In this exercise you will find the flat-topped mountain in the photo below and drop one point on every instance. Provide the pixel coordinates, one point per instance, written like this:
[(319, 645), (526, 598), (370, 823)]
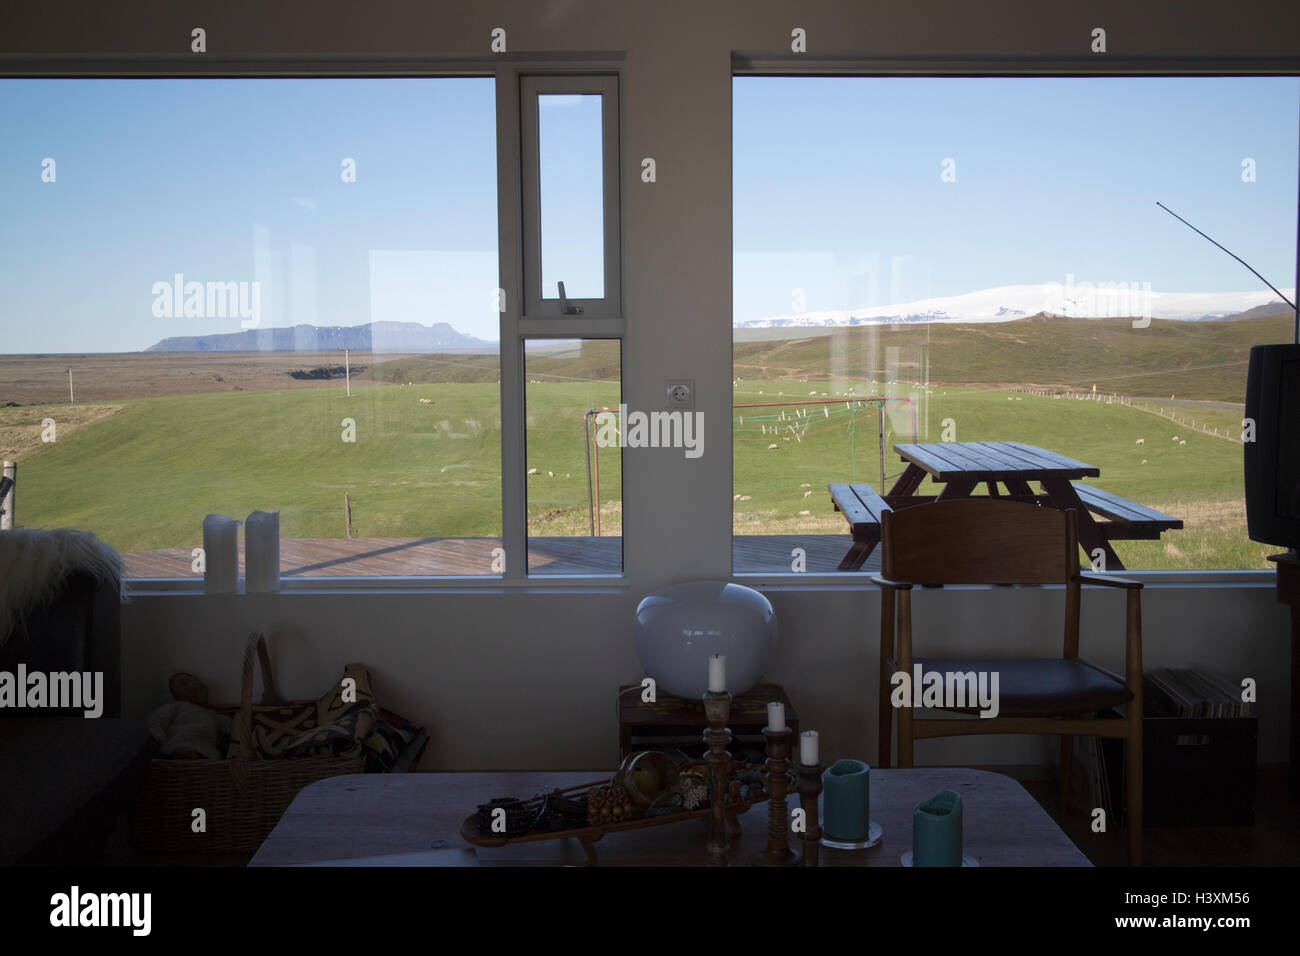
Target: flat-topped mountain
[(371, 337)]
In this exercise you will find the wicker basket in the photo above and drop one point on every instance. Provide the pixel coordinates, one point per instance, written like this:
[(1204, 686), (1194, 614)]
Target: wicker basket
[(243, 797)]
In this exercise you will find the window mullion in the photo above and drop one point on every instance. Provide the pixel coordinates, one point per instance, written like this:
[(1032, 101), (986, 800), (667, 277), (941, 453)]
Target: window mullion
[(514, 531)]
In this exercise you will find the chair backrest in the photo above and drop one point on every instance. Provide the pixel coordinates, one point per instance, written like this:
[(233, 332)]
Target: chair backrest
[(980, 541)]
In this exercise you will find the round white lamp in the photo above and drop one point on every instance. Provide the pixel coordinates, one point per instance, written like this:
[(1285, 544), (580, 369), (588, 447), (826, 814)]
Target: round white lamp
[(678, 629)]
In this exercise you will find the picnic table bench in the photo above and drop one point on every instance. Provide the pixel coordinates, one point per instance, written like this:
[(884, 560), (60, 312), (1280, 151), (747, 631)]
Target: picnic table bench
[(963, 466)]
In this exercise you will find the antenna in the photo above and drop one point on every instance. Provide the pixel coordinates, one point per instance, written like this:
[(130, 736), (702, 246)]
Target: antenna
[(1243, 262)]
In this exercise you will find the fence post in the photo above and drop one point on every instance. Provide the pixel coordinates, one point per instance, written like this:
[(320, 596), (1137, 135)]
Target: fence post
[(880, 409), (7, 519), (347, 513)]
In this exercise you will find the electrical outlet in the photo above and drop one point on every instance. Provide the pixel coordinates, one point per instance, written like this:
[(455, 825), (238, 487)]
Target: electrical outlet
[(680, 393)]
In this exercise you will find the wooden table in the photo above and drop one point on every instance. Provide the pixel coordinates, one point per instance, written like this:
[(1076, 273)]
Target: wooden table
[(414, 819), (963, 466), (672, 720)]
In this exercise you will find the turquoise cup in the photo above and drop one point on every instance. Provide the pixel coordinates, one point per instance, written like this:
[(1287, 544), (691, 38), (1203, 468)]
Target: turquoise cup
[(936, 831), (846, 794)]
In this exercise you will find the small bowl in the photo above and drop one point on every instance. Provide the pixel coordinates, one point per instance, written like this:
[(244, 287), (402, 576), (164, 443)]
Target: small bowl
[(645, 775)]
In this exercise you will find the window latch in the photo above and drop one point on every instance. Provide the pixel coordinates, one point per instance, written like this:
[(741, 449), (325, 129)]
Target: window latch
[(565, 308)]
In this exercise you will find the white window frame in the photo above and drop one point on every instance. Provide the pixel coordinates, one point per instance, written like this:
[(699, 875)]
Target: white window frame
[(521, 267), (544, 303)]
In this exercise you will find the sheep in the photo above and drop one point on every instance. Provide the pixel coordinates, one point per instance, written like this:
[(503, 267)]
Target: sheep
[(1141, 441), (743, 498), (1144, 461), (772, 447), (1183, 442), (426, 401), (805, 485), (550, 474), (532, 471), (804, 514), (807, 494)]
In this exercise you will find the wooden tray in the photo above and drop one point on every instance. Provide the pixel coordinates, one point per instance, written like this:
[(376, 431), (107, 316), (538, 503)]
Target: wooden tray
[(588, 835)]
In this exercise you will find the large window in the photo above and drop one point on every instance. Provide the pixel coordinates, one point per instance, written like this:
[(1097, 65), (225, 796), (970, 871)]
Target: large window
[(983, 259), (299, 306)]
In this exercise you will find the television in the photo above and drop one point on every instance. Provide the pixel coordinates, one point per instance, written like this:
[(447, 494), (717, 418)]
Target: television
[(1273, 459)]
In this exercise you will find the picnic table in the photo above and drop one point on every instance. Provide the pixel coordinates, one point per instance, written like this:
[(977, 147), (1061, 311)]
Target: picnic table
[(1005, 469)]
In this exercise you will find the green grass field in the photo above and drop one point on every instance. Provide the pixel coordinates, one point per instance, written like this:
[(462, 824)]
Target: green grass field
[(1200, 481), (142, 472), (145, 477)]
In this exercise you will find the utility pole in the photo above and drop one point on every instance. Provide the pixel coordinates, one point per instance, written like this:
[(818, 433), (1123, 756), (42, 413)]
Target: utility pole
[(72, 399), (347, 371)]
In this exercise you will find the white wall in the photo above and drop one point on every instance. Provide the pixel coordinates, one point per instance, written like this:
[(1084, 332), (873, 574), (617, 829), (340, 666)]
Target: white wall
[(525, 679)]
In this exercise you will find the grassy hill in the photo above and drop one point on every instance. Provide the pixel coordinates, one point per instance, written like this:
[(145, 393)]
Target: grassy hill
[(1195, 360), (1202, 360), (591, 360)]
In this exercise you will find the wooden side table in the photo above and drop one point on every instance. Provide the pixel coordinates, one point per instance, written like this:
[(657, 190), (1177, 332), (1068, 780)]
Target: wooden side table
[(672, 720), (1288, 592)]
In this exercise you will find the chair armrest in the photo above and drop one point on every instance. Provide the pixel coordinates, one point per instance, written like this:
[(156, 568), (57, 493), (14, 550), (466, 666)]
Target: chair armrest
[(884, 582), (1109, 581)]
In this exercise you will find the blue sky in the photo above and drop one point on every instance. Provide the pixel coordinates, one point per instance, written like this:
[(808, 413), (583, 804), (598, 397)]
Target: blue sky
[(837, 191), (838, 187), (208, 178)]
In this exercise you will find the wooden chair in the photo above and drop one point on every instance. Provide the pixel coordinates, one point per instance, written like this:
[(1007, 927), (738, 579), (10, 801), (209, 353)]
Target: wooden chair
[(988, 541)]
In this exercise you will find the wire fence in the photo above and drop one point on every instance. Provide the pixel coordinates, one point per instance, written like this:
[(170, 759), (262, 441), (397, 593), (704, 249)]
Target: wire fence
[(1141, 404)]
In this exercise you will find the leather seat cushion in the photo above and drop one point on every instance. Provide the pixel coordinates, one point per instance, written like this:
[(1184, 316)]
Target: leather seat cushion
[(1040, 687)]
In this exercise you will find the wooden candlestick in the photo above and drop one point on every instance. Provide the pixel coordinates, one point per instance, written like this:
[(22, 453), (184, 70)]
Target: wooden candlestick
[(777, 765), (809, 783), (717, 709)]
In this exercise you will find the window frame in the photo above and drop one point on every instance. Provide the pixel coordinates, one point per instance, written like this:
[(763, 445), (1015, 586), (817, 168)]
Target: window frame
[(518, 325), (536, 302)]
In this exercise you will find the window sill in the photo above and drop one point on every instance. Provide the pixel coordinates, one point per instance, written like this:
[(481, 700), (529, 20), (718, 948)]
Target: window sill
[(1153, 580), (547, 584)]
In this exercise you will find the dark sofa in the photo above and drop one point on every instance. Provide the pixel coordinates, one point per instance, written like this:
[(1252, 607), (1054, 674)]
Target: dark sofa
[(65, 779)]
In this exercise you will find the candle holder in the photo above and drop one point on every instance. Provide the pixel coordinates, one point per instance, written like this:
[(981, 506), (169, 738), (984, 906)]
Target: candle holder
[(717, 710), (808, 781), (777, 765)]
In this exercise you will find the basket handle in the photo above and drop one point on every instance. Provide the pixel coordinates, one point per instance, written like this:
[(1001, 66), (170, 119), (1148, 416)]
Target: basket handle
[(243, 724)]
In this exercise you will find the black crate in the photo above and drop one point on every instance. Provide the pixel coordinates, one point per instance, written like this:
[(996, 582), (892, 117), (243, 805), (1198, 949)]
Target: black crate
[(1199, 771), (1196, 771)]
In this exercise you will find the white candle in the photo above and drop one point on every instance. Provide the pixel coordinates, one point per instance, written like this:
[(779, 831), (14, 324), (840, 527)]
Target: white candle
[(262, 551), (808, 748), (220, 554), (776, 715), (717, 674)]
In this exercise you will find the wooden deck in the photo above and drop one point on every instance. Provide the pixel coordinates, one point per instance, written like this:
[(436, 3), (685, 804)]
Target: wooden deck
[(402, 557)]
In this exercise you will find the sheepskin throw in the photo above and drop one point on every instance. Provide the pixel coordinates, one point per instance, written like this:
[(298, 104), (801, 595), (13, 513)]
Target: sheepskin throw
[(34, 563)]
